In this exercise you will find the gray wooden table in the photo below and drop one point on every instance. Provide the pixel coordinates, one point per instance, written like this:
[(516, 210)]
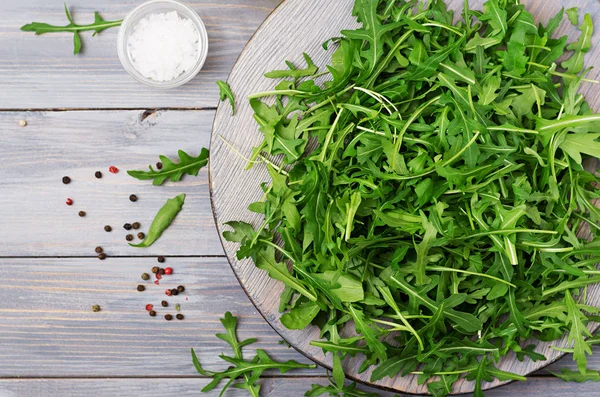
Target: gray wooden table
[(84, 114)]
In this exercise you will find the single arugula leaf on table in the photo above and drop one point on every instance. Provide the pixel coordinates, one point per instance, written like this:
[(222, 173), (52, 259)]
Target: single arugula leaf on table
[(162, 221), (226, 93), (576, 376), (97, 26), (173, 171)]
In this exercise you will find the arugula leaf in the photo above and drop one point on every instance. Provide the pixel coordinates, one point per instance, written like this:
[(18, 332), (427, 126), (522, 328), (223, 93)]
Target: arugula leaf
[(577, 332), (173, 171), (310, 70), (575, 376), (576, 144), (573, 15), (162, 221), (575, 63), (226, 93)]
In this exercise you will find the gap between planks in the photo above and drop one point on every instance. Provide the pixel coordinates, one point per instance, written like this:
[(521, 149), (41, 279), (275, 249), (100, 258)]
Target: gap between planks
[(156, 109)]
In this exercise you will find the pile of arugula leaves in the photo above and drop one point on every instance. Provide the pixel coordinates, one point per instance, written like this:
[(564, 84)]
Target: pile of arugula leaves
[(430, 194)]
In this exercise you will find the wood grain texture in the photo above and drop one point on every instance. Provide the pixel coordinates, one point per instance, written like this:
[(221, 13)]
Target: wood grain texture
[(48, 329), (35, 219), (41, 71), (230, 183)]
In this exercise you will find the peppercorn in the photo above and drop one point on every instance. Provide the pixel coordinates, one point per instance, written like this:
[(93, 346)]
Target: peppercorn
[(66, 180), (102, 256), (107, 228), (99, 250), (82, 213), (159, 165), (168, 292), (127, 226), (133, 198), (129, 237), (152, 313), (168, 271), (181, 288), (158, 276), (168, 317), (149, 306), (96, 308), (161, 259), (179, 316), (164, 303), (69, 201), (145, 276), (135, 225), (98, 174), (161, 271), (155, 269), (174, 292), (113, 169), (141, 288), (141, 235)]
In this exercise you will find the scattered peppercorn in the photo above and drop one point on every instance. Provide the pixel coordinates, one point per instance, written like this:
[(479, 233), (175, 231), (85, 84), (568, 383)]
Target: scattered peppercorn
[(155, 269), (22, 123), (164, 303), (158, 276), (141, 288), (161, 271), (133, 198), (69, 201), (98, 174), (96, 308), (141, 236), (174, 292), (99, 250), (82, 213), (129, 237), (66, 180), (159, 165), (181, 288), (113, 169), (107, 228), (145, 276), (168, 292), (135, 225), (168, 317), (156, 282), (168, 270), (127, 226), (178, 307), (152, 313), (161, 259), (149, 306), (179, 316), (102, 256)]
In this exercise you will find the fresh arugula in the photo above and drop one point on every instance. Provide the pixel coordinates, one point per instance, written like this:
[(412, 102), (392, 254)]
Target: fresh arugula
[(430, 193), (226, 93), (97, 26), (162, 221), (242, 374), (173, 171)]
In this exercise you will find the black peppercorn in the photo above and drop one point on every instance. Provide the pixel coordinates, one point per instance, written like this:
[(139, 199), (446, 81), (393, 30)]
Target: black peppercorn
[(152, 313), (127, 226), (141, 235), (161, 271), (168, 317), (179, 316), (99, 250), (133, 198), (102, 256), (161, 259), (82, 213), (96, 308), (107, 228), (98, 174), (129, 237), (145, 276), (164, 303), (66, 180), (135, 225), (174, 292), (159, 165), (181, 288), (141, 288), (155, 269)]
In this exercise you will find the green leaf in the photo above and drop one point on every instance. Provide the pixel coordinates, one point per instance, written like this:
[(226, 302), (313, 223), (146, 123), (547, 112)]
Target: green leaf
[(310, 70), (226, 93), (576, 144), (242, 230), (173, 171), (300, 316), (496, 17), (577, 333), (162, 221), (576, 376), (573, 15), (575, 63)]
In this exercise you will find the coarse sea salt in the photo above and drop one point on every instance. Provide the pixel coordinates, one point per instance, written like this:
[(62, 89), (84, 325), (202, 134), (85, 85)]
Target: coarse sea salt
[(163, 46)]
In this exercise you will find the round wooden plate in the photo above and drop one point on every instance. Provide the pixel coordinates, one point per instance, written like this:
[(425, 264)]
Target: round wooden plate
[(298, 26)]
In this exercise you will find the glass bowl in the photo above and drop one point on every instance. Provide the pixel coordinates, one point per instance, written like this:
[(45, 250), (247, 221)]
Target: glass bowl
[(153, 7)]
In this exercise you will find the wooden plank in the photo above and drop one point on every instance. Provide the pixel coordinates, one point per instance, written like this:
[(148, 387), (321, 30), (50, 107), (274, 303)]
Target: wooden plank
[(35, 219), (271, 387), (48, 329), (230, 184), (41, 71)]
